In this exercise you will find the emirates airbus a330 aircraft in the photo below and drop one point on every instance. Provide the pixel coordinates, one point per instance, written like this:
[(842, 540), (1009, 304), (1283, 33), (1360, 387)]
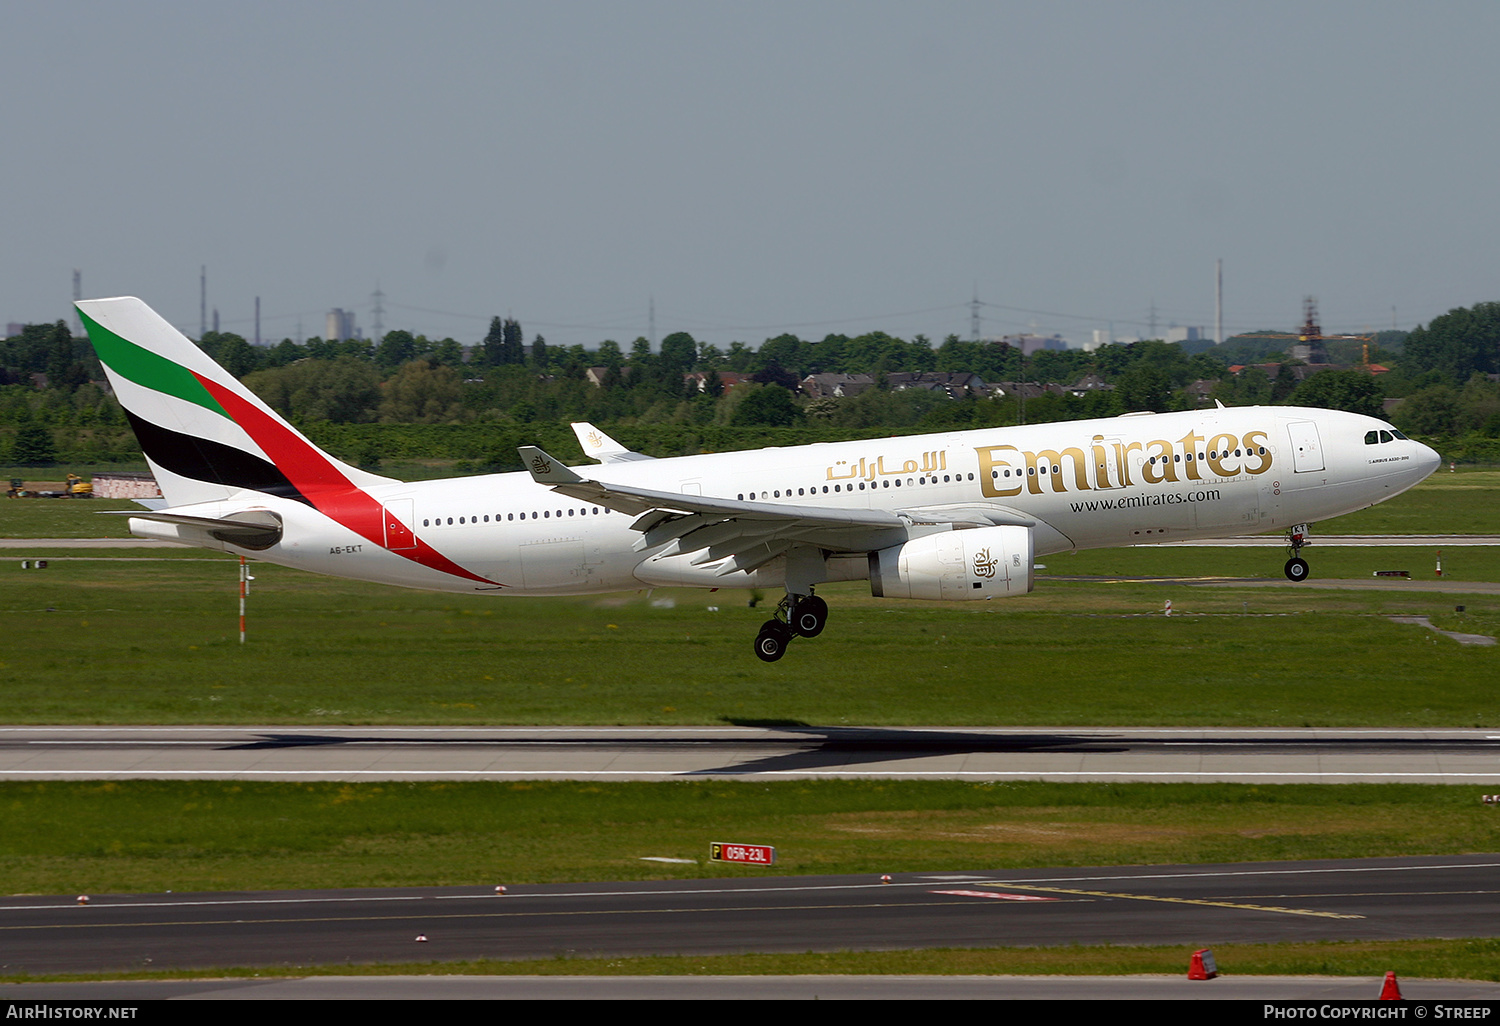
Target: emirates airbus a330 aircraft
[(953, 516)]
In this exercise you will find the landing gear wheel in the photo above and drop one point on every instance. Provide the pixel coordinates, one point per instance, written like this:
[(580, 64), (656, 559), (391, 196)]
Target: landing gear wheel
[(810, 617), (1296, 570), (771, 642)]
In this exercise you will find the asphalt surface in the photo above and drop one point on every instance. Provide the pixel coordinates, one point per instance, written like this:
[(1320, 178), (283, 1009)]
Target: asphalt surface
[(1194, 906), (1257, 755)]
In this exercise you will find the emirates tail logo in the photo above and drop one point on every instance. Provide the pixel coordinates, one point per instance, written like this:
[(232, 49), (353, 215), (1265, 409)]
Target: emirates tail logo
[(541, 465), (595, 440), (984, 566)]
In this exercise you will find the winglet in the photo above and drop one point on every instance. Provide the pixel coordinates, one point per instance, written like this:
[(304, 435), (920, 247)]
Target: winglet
[(544, 469), (597, 444)]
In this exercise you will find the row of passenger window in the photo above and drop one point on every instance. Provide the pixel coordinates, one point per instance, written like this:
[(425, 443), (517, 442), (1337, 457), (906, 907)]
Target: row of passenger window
[(545, 514), (1213, 454), (910, 483)]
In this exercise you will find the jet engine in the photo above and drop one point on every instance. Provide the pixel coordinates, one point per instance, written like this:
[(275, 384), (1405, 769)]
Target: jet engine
[(977, 563)]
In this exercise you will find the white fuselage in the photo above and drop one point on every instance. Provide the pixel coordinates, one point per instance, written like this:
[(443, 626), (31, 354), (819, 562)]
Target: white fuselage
[(1085, 484)]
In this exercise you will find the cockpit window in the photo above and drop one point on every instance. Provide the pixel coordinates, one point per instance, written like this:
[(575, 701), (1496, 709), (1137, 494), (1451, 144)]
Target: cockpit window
[(1386, 436), (1371, 437)]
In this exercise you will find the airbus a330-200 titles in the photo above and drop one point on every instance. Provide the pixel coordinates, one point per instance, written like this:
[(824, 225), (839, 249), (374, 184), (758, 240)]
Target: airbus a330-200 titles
[(958, 516)]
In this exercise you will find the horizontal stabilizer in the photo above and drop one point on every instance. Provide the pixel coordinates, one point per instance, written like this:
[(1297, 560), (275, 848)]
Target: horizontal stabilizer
[(252, 529)]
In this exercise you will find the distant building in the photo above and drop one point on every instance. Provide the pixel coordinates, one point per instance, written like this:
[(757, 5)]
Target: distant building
[(823, 386), (698, 380), (596, 375), (1201, 391), (1090, 383), (1311, 351), (956, 385), (340, 325), (1182, 334), (1029, 344), (1020, 389), (116, 485)]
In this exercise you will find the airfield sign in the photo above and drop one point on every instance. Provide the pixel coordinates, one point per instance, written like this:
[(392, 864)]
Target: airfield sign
[(754, 854)]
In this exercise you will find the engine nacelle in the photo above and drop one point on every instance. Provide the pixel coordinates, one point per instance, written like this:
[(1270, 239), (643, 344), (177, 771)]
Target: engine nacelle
[(979, 563)]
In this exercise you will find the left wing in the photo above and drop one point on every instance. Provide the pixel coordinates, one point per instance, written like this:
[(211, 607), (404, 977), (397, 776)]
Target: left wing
[(753, 532)]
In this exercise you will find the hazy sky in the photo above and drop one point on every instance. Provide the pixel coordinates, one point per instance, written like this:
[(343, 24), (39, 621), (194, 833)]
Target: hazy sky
[(757, 167)]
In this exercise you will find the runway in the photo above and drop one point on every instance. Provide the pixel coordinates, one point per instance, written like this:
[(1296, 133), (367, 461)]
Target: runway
[(1247, 755), (1194, 906)]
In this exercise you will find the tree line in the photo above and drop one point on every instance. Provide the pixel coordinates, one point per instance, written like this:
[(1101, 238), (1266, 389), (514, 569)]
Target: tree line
[(1444, 372)]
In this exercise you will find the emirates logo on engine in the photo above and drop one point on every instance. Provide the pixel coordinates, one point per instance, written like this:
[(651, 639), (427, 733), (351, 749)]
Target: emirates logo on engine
[(984, 566)]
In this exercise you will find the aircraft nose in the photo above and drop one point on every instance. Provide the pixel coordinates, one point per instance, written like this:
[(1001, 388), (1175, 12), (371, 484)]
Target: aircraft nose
[(1428, 459)]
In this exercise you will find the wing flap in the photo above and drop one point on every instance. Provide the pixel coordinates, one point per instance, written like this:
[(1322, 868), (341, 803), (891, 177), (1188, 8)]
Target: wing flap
[(985, 516)]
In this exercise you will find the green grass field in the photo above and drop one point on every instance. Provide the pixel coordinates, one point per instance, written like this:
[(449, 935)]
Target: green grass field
[(149, 636), (151, 836), (154, 640), (1461, 502)]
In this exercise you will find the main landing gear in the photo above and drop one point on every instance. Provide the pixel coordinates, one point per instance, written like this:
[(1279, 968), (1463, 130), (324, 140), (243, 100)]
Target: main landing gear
[(1296, 566), (797, 615)]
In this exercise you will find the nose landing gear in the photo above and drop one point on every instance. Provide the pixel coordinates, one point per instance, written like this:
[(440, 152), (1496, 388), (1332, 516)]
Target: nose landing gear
[(1296, 567)]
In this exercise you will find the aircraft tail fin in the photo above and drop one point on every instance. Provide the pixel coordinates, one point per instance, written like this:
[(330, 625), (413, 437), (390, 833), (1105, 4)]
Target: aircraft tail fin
[(206, 436)]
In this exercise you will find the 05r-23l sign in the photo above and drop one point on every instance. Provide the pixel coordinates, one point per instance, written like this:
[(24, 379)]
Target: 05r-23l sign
[(755, 854)]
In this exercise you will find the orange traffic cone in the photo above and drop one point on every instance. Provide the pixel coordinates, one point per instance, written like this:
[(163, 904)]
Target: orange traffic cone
[(1392, 990), (1202, 967)]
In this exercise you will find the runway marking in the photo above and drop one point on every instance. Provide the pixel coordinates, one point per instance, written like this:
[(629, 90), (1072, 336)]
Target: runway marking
[(923, 882), (363, 744), (1001, 895), (1384, 894), (707, 910), (793, 745), (1190, 901), (481, 896), (1278, 872)]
